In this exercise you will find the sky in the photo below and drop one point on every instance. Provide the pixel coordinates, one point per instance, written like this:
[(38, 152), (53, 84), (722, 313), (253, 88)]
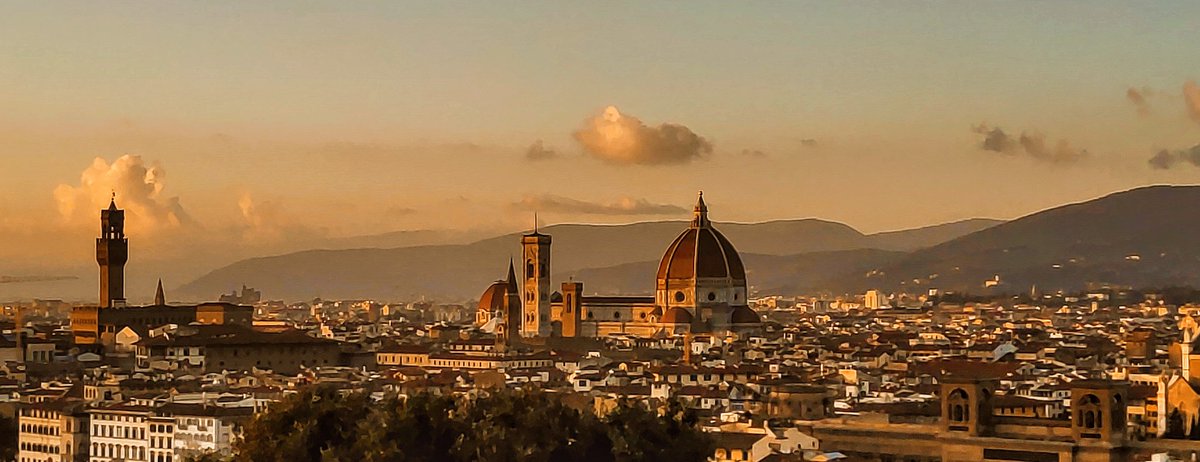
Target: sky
[(252, 128)]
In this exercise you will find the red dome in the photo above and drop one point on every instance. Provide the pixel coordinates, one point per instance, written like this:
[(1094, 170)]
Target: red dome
[(494, 297), (701, 252)]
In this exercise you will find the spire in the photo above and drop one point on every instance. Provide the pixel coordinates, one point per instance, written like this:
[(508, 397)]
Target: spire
[(160, 298), (535, 223), (112, 204), (700, 213), (512, 275)]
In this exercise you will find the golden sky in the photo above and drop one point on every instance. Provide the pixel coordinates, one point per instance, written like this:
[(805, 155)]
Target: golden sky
[(263, 126)]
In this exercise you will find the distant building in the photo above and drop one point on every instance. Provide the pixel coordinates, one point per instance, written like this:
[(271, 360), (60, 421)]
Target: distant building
[(99, 324), (875, 299), (700, 287), (248, 296), (216, 348)]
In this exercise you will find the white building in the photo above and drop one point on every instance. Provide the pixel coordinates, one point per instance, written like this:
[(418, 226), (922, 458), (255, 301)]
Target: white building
[(52, 431), (120, 432)]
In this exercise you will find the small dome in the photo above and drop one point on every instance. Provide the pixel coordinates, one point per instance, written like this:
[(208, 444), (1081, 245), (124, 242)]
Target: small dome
[(744, 315), (677, 315), (494, 297)]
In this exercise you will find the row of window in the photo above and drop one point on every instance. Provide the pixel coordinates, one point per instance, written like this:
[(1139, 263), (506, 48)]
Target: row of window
[(42, 448), (123, 451), (39, 429), (156, 428), (114, 431), (39, 413), (118, 418)]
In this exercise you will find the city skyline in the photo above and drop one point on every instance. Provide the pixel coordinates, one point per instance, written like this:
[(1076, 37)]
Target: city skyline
[(618, 231)]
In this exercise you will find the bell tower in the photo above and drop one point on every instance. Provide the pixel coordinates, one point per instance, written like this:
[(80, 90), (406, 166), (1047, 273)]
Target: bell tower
[(967, 405), (535, 295), (112, 252)]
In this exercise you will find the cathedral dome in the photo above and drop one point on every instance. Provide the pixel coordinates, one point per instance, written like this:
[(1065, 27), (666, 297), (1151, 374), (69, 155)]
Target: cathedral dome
[(701, 252), (494, 297)]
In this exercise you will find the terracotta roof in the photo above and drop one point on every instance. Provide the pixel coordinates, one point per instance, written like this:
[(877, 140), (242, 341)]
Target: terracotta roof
[(676, 315), (701, 252)]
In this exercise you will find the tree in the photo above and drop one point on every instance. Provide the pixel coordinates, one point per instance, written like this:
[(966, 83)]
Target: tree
[(304, 427), (501, 426), (1174, 425), (8, 438)]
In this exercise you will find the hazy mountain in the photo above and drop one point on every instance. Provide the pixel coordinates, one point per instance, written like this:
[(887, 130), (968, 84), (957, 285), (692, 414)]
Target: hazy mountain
[(774, 274), (1142, 237), (462, 271)]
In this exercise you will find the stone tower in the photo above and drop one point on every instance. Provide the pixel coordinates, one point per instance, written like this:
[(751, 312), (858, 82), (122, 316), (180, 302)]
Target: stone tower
[(112, 252), (535, 296), (967, 405)]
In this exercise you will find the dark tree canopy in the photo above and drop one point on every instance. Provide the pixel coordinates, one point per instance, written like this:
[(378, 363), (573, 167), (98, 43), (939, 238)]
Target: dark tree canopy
[(8, 438), (320, 424)]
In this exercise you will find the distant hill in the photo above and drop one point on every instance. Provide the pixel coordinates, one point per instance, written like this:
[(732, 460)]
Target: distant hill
[(773, 274), (1142, 237), (462, 271)]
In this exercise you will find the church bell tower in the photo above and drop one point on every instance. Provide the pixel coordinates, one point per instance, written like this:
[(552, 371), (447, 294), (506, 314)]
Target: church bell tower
[(112, 251), (535, 296)]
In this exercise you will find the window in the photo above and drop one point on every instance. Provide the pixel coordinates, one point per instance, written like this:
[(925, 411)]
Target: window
[(959, 402), (679, 297), (712, 296)]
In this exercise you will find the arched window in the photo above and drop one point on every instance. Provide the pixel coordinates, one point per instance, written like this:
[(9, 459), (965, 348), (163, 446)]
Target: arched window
[(529, 269), (1090, 415), (959, 406)]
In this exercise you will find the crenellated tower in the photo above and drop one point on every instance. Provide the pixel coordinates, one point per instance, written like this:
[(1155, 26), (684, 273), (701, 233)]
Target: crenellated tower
[(112, 252)]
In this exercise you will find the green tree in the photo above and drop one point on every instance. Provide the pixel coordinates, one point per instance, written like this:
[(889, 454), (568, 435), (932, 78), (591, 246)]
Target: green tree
[(503, 426), (306, 426)]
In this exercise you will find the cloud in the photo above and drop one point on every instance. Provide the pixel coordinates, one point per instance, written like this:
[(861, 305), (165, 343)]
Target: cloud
[(808, 143), (623, 139), (1139, 98), (755, 153), (538, 151), (1191, 97), (138, 188), (1166, 159), (269, 222), (623, 206), (1032, 144)]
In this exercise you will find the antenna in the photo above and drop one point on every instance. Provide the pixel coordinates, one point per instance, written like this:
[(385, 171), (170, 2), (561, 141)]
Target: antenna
[(535, 222)]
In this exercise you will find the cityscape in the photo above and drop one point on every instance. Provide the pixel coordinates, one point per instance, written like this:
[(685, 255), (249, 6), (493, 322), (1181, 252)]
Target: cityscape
[(378, 242)]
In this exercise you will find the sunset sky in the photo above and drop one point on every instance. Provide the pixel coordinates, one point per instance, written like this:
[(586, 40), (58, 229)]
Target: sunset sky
[(260, 125)]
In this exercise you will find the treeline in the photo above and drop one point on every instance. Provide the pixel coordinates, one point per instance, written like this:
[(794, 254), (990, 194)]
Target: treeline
[(322, 424)]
